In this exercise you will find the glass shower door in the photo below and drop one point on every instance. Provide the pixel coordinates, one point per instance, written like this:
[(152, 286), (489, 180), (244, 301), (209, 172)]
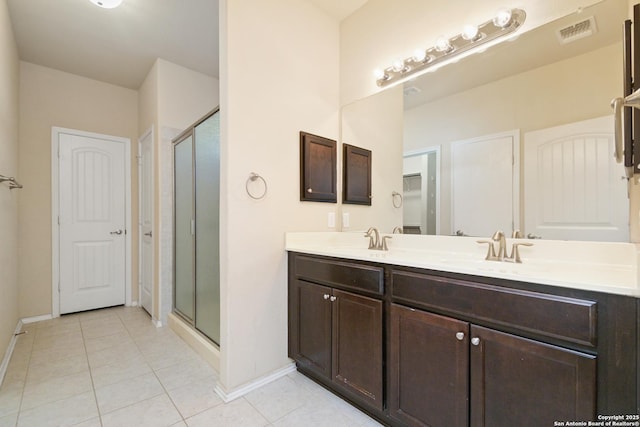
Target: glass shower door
[(207, 239), (183, 233)]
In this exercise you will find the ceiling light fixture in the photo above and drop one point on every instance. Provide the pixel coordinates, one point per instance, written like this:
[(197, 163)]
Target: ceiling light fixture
[(506, 21), (107, 4)]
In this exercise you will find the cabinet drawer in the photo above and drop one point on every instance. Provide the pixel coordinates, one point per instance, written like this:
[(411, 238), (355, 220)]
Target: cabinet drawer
[(340, 274), (569, 319)]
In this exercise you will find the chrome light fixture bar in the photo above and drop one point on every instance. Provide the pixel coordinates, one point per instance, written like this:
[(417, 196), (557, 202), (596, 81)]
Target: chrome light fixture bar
[(505, 22)]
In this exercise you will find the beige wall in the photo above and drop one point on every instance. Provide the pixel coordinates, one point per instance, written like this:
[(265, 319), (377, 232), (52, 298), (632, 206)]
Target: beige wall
[(544, 97), (9, 74), (383, 30), (279, 76), (376, 123), (52, 98), (171, 98)]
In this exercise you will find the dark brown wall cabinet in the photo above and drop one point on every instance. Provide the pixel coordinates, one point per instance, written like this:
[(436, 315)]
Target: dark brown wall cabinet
[(446, 372), (356, 175), (317, 168)]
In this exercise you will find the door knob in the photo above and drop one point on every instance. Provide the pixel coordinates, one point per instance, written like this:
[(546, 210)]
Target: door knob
[(333, 298), (460, 336), (118, 232), (326, 296), (475, 341), (149, 234)]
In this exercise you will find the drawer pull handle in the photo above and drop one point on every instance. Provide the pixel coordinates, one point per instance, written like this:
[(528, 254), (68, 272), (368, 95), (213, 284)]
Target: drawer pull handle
[(326, 296), (333, 298), (460, 336), (475, 341)]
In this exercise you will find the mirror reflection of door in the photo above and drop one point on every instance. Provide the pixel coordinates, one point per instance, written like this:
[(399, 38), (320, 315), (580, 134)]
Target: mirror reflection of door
[(484, 184), (574, 190), (421, 210)]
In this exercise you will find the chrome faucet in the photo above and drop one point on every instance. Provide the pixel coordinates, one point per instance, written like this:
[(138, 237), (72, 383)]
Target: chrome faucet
[(374, 240)]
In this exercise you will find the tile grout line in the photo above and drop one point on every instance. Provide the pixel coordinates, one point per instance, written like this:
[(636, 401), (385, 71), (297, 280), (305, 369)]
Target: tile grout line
[(166, 392), (93, 385), (24, 382)]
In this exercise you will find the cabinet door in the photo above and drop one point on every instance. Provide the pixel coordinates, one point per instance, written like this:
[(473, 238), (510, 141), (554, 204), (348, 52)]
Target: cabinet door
[(317, 168), (516, 381), (357, 346), (429, 369), (311, 325)]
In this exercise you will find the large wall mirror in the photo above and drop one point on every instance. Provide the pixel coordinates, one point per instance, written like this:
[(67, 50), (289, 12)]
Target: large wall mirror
[(520, 136)]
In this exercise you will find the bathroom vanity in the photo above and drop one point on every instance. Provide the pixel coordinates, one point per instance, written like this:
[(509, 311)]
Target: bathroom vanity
[(420, 337)]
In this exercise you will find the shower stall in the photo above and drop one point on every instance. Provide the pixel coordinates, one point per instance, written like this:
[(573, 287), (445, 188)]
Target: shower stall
[(196, 234)]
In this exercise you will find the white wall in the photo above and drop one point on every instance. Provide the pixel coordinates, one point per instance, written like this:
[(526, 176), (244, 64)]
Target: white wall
[(9, 74), (383, 30), (279, 76)]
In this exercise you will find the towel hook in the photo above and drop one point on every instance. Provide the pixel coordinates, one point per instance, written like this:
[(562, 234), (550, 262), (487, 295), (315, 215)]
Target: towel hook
[(252, 178)]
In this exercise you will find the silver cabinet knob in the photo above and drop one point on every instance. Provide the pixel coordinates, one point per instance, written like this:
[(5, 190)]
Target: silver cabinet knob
[(325, 296), (309, 190), (333, 298), (118, 232), (475, 341), (460, 336)]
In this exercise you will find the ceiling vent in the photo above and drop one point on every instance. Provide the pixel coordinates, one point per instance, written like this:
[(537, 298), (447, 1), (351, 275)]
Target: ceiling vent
[(578, 30), (411, 90)]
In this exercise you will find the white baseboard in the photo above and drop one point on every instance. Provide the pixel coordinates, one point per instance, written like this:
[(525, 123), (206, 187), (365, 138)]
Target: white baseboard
[(9, 352), (239, 392), (34, 319)]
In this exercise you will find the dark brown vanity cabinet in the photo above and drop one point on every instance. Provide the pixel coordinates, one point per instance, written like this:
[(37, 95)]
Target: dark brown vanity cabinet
[(417, 347), (335, 336), (447, 372)]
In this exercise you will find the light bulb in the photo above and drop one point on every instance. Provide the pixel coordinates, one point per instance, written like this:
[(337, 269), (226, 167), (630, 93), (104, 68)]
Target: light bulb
[(470, 32), (106, 4), (502, 18), (419, 55), (397, 65), (443, 45), (380, 74)]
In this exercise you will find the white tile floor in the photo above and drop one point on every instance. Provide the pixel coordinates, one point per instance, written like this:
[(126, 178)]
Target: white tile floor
[(112, 367)]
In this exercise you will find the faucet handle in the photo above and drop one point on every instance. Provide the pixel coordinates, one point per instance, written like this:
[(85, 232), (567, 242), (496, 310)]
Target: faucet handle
[(515, 253), (517, 234), (491, 251)]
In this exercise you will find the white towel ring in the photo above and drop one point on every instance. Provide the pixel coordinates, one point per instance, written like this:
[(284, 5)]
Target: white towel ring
[(252, 178), (394, 197)]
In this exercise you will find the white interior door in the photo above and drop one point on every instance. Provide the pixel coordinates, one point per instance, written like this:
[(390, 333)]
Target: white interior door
[(145, 166), (573, 187), (92, 222), (484, 184)]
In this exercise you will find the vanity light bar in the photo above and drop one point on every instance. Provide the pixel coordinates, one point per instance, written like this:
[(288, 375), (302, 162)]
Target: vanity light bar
[(505, 22)]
